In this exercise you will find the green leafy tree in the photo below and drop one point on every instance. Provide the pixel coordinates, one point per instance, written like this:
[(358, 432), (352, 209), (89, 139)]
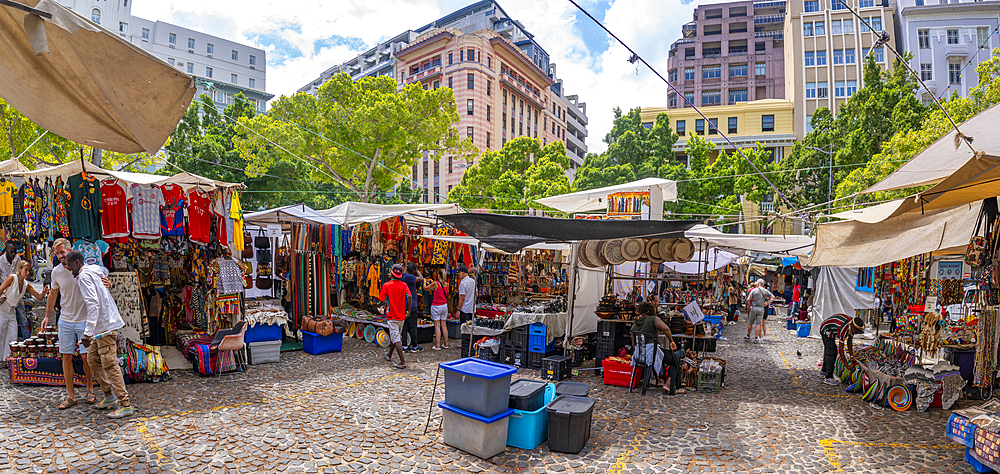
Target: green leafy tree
[(634, 152), (806, 180), (513, 177), (364, 135), (33, 144)]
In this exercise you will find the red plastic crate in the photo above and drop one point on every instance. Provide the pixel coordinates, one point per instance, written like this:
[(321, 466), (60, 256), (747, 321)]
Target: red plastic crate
[(618, 374)]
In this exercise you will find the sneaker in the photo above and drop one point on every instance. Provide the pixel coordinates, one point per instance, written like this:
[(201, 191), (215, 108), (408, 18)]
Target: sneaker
[(407, 349), (417, 349), (121, 412), (748, 338), (831, 381), (109, 402)]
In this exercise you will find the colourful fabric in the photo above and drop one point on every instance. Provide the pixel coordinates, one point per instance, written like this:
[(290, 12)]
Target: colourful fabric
[(172, 210), (374, 281), (441, 247), (49, 208), (61, 212), (837, 326), (394, 292), (31, 223), (7, 191)]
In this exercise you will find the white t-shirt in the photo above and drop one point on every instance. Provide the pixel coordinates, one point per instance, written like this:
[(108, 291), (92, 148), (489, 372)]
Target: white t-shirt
[(467, 287), (69, 294), (7, 268), (146, 202)]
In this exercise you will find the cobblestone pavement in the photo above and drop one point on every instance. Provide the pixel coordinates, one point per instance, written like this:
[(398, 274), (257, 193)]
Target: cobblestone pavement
[(352, 412)]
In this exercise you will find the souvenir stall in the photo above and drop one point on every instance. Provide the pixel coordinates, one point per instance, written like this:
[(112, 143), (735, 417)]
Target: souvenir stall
[(167, 242)]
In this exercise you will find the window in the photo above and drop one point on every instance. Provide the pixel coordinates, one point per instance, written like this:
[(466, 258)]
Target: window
[(672, 75), (737, 70), (688, 53), (952, 36), (920, 3), (809, 123), (838, 5), (711, 14), (125, 3), (810, 58), (253, 60), (712, 30), (880, 54), (236, 55), (172, 39), (145, 33), (737, 27), (489, 62), (810, 90), (982, 33), (450, 59), (864, 26), (733, 122), (812, 6), (437, 85), (689, 74), (807, 29), (925, 71), (469, 132), (866, 3), (822, 90), (714, 128), (233, 79), (711, 72), (208, 72), (738, 95), (471, 80), (821, 58), (672, 101), (835, 27), (681, 127), (471, 55), (699, 126), (190, 43), (210, 48), (819, 28), (461, 55), (489, 87), (839, 88), (737, 12), (849, 56), (171, 61), (876, 23), (95, 16), (470, 107), (190, 68), (689, 99), (450, 83), (760, 48), (852, 87), (487, 136), (123, 27), (737, 47), (849, 26), (767, 123), (711, 97), (760, 69), (838, 56), (252, 83), (954, 73)]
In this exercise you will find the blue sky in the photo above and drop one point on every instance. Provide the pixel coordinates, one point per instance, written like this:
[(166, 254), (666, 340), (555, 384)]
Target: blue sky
[(303, 39)]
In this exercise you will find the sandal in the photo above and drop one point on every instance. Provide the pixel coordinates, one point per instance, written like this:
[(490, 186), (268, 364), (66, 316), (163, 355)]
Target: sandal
[(69, 402), (388, 357), (399, 366), (91, 398)]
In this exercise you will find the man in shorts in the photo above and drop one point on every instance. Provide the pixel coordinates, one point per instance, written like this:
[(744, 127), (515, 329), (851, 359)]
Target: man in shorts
[(412, 278), (398, 299), (758, 299), (466, 294)]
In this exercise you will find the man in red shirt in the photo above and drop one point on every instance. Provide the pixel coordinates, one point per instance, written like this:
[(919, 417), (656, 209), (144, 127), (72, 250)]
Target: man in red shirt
[(396, 295)]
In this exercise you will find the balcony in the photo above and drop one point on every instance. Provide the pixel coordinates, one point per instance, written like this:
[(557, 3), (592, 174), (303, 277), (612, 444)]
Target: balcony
[(762, 5), (425, 74), (738, 51), (776, 35), (956, 51), (768, 19), (525, 91), (767, 207)]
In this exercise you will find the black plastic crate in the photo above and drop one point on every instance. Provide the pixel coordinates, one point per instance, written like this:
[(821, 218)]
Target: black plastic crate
[(466, 344), (519, 337), (556, 367), (611, 331), (488, 354), (534, 359), (580, 355), (706, 345)]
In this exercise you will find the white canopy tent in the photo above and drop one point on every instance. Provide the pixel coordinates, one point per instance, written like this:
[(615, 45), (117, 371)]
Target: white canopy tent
[(185, 180), (286, 215), (11, 166), (713, 259), (354, 213), (594, 199), (798, 245)]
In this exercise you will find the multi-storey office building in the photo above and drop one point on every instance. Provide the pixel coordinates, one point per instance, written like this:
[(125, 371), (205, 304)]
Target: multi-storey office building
[(731, 53), (948, 40), (824, 60), (222, 68), (501, 94)]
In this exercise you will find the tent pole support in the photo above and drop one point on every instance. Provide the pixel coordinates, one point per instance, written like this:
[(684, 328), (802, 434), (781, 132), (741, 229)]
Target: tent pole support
[(23, 7), (570, 294)]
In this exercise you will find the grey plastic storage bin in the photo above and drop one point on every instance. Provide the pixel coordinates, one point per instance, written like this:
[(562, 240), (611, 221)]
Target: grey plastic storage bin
[(264, 352), (527, 394), (569, 423), (481, 436), (573, 388), (477, 386)]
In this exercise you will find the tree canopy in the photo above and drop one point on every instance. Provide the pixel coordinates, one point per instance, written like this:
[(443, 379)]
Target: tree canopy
[(634, 152)]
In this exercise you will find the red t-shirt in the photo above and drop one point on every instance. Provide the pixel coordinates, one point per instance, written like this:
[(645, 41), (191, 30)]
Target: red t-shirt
[(114, 209), (796, 293), (199, 216), (172, 212), (396, 291)]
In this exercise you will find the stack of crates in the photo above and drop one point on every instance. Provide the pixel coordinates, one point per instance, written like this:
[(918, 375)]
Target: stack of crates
[(466, 345), (537, 348), (518, 344), (611, 336)]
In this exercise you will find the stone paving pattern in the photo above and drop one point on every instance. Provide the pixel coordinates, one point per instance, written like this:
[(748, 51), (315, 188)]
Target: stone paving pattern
[(352, 412)]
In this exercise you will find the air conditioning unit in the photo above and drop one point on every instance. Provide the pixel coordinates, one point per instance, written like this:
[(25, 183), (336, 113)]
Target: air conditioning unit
[(253, 68), (171, 46), (191, 51), (209, 56)]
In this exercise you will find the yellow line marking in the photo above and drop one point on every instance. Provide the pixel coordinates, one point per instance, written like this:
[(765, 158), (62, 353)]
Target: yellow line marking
[(831, 454), (619, 464), (150, 440), (788, 365)]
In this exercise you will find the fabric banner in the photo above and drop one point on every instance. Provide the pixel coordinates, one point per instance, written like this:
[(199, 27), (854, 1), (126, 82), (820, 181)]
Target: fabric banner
[(836, 294)]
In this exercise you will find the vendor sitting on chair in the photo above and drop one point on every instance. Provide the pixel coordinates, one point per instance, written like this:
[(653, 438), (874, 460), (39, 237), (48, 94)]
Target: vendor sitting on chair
[(837, 331), (650, 326)]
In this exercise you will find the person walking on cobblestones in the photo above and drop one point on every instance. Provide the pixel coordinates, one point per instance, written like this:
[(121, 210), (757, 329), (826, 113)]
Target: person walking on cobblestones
[(412, 278), (838, 331), (101, 335), (396, 295), (757, 301)]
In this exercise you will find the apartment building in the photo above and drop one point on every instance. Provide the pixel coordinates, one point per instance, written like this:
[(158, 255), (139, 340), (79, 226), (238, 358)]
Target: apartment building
[(500, 91), (824, 60), (948, 40), (730, 53), (222, 69), (576, 122)]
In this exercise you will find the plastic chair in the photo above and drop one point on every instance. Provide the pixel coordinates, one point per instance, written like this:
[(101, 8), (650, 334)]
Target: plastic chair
[(639, 360), (231, 340)]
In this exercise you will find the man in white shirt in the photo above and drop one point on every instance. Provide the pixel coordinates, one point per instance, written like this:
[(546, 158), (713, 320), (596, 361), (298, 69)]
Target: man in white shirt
[(10, 259), (466, 294), (101, 335)]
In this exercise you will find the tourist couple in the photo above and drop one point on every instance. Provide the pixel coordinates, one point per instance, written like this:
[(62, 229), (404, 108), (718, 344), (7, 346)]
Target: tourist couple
[(89, 316)]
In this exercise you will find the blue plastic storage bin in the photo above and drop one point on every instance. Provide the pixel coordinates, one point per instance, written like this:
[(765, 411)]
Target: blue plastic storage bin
[(477, 386), (714, 319), (263, 332), (527, 429), (475, 434), (315, 344), (803, 329)]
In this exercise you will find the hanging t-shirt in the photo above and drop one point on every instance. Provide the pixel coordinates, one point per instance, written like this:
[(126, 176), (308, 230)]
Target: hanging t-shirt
[(84, 207), (146, 202), (199, 216), (7, 191), (61, 214), (236, 214), (31, 221), (114, 214), (221, 209), (93, 252), (172, 213)]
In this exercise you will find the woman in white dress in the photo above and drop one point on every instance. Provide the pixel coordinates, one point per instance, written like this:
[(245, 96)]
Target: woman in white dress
[(11, 292)]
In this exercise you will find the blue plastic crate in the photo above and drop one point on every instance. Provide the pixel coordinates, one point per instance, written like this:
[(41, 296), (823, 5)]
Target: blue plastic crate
[(262, 333), (315, 344), (803, 329), (536, 343), (527, 429), (537, 329), (714, 319), (790, 324), (978, 466)]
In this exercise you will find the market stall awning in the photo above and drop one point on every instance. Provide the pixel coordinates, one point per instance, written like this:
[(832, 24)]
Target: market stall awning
[(295, 213), (65, 170), (512, 233), (85, 83), (467, 240), (860, 244), (594, 199), (354, 213), (705, 260), (11, 166), (799, 245)]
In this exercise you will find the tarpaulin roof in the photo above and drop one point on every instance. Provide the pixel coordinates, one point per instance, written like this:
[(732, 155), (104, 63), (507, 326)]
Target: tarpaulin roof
[(354, 213), (713, 260), (11, 166), (776, 244), (512, 233), (860, 244), (85, 83), (467, 240), (294, 213), (185, 179), (594, 199)]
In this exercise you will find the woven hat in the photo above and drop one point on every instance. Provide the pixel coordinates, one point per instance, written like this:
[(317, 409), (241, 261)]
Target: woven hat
[(683, 250), (667, 249), (613, 252), (632, 249), (599, 251), (591, 251), (653, 251), (581, 254)]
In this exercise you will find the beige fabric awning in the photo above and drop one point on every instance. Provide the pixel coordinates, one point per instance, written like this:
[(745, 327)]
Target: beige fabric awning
[(185, 180), (860, 244), (11, 166), (85, 83), (354, 213)]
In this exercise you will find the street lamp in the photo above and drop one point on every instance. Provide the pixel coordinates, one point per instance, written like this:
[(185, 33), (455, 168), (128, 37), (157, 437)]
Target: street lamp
[(829, 192)]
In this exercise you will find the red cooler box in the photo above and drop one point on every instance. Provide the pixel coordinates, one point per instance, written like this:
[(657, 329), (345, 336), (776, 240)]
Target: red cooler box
[(619, 374)]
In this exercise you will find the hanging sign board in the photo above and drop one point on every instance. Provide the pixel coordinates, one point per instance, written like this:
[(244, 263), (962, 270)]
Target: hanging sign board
[(273, 231), (693, 312), (930, 304)]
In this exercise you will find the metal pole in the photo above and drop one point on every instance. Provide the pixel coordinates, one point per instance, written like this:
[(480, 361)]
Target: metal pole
[(829, 193), (570, 294)]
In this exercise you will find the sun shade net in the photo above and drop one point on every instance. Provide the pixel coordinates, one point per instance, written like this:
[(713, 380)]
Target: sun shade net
[(512, 233)]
